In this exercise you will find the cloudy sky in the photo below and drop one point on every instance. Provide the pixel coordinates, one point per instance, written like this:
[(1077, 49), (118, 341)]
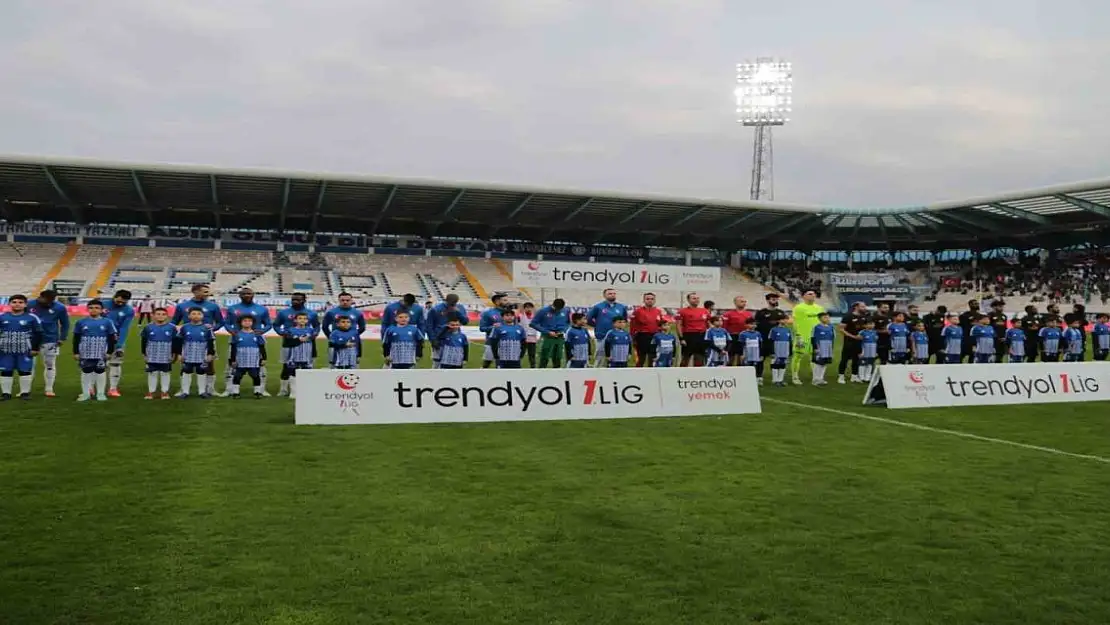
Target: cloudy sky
[(896, 101)]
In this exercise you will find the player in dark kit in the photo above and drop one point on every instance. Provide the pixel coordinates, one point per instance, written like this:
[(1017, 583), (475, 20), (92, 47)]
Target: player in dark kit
[(1030, 324), (767, 319), (998, 321), (968, 319), (882, 320), (850, 327), (934, 328)]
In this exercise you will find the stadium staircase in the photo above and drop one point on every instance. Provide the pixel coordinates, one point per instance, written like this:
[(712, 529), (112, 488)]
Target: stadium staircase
[(107, 271), (63, 261), (475, 283)]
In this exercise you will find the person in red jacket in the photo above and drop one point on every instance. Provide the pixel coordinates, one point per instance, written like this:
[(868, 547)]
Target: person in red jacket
[(693, 321), (647, 320), (735, 321)]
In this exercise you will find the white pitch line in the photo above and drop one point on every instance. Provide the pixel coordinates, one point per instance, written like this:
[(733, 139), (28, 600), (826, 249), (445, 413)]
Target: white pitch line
[(926, 428)]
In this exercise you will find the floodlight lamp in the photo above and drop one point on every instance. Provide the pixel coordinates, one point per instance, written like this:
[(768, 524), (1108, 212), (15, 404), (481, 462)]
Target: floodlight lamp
[(763, 92)]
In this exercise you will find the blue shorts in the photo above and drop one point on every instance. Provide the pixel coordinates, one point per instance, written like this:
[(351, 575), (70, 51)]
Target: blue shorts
[(576, 364), (16, 362), (983, 359), (952, 359), (199, 368), (92, 365), (1073, 358), (154, 367), (1017, 359)]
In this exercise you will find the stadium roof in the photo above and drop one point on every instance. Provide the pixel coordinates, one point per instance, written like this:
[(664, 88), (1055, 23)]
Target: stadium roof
[(94, 191)]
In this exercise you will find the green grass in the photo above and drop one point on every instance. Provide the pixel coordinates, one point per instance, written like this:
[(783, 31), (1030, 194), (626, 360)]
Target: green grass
[(215, 512)]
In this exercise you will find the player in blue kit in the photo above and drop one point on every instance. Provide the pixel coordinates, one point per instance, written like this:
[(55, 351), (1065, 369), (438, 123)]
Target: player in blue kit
[(1074, 342), (982, 340), (260, 325), (716, 342), (297, 352), (343, 345), (1100, 337), (823, 339), (1050, 340), (920, 341), (402, 344), (211, 316), (94, 337), (578, 343), (298, 304), (617, 344), (899, 334), (55, 330), (506, 341), (782, 347), (346, 308), (247, 358), (122, 314), (664, 345), (869, 350), (156, 343), (953, 337), (195, 349), (1015, 345), (438, 319), (751, 349), (454, 347), (487, 322), (20, 340), (601, 317)]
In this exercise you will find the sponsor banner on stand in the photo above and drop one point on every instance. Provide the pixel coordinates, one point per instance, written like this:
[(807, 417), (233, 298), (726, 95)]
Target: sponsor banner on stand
[(936, 386), (568, 275), (330, 397)]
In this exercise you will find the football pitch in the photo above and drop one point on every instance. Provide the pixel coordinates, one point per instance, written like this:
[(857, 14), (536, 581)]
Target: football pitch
[(814, 512)]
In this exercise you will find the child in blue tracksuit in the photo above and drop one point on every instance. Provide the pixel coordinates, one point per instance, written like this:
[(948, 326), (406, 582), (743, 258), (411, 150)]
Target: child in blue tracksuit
[(506, 341), (782, 346), (156, 341), (402, 344), (94, 338), (1075, 345), (869, 350), (953, 337), (21, 335), (454, 348), (247, 358), (899, 339), (578, 342), (618, 344), (195, 348), (344, 343), (716, 344), (664, 344), (751, 349), (1015, 345), (1050, 341), (298, 344), (824, 336), (982, 340), (920, 341), (1100, 337)]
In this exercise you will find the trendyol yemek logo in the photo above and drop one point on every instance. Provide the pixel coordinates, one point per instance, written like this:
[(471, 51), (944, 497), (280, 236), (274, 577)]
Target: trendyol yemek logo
[(348, 399), (713, 389), (519, 397)]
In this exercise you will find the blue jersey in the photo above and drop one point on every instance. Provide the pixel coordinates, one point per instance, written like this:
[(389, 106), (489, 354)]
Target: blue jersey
[(953, 336), (869, 344), (899, 338), (716, 340), (54, 319), (751, 343), (345, 347), (506, 341), (602, 315), (213, 318), (578, 344), (454, 349), (156, 341), (665, 345), (438, 317), (297, 346), (121, 315), (1073, 338), (781, 341), (355, 315), (1101, 337), (547, 319), (403, 345), (920, 341), (248, 350), (491, 318), (389, 314), (259, 314), (20, 334), (195, 342), (285, 319), (983, 340), (94, 338), (1050, 340), (618, 345), (823, 339), (1015, 339)]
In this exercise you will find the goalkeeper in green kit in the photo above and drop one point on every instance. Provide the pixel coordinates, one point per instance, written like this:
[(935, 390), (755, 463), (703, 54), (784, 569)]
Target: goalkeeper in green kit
[(805, 320), (552, 323)]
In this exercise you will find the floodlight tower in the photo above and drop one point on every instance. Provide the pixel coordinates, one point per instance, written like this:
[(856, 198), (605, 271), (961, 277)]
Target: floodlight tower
[(764, 97)]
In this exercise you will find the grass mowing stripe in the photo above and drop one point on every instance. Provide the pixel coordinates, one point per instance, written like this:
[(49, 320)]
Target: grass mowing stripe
[(927, 428)]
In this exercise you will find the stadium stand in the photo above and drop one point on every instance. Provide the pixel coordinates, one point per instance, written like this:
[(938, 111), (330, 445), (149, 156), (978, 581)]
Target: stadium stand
[(24, 265)]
